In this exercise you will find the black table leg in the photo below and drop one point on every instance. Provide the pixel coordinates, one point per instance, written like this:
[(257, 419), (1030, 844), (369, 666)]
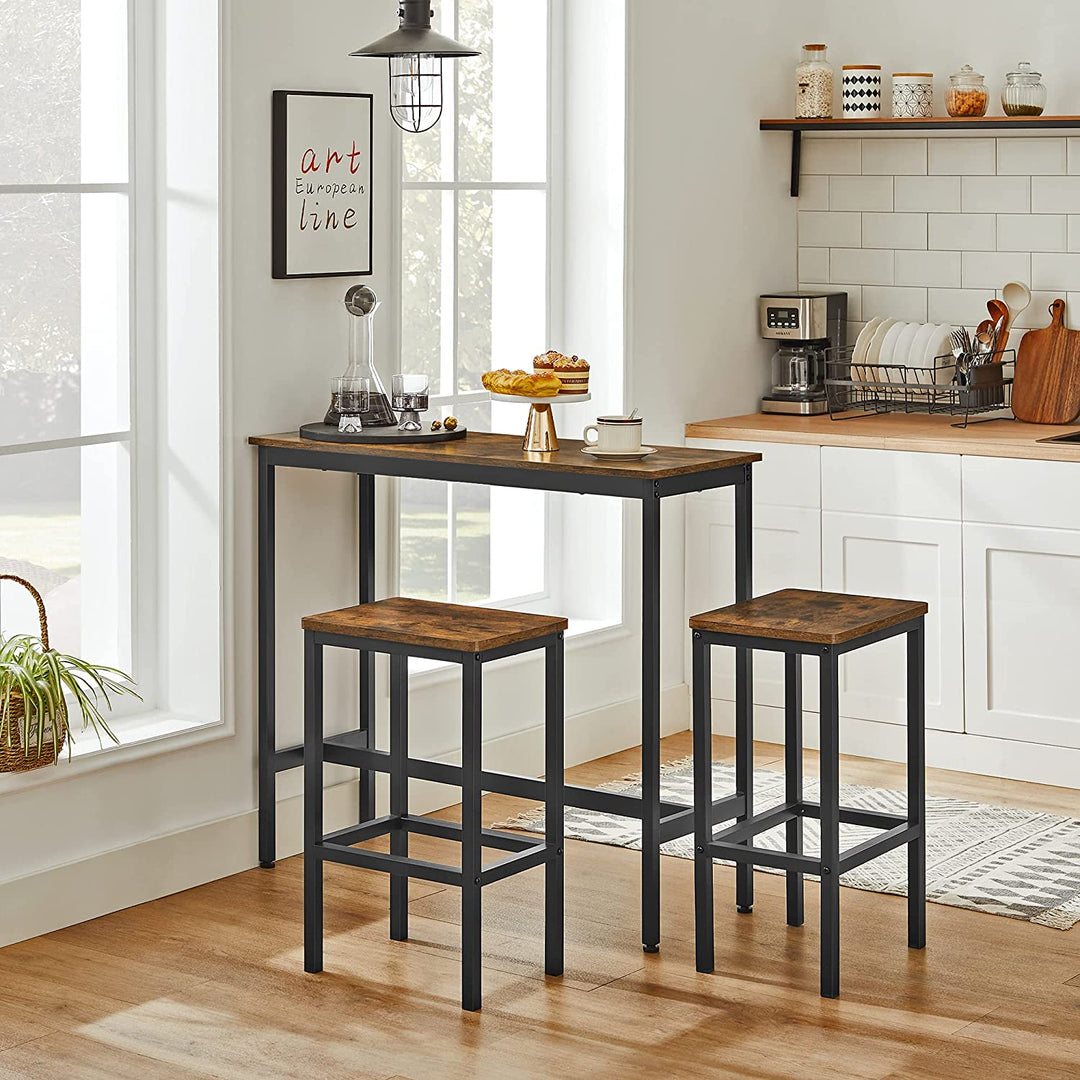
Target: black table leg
[(793, 770), (830, 825), (471, 850), (650, 724), (744, 681), (703, 863), (554, 765), (313, 803), (916, 720), (267, 725), (399, 791), (366, 590)]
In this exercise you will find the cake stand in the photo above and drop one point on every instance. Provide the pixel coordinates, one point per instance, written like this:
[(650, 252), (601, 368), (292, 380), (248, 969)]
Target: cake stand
[(540, 437)]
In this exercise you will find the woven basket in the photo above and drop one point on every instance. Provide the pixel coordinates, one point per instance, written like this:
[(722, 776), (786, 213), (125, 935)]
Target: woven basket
[(12, 756)]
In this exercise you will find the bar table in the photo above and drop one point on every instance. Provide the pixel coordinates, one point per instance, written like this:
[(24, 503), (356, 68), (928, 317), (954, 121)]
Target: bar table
[(499, 461)]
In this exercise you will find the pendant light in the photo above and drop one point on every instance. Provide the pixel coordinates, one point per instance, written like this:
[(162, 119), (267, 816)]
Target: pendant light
[(416, 53)]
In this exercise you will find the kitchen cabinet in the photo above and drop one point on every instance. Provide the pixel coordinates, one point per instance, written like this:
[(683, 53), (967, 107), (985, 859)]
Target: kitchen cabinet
[(910, 559)]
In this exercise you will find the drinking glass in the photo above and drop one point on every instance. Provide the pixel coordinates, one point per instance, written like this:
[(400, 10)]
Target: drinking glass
[(410, 398)]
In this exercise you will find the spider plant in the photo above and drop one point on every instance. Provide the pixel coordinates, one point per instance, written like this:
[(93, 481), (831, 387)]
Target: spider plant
[(49, 683)]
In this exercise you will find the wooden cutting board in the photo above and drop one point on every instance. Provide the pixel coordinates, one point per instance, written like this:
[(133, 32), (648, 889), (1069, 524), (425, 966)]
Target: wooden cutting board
[(1046, 389)]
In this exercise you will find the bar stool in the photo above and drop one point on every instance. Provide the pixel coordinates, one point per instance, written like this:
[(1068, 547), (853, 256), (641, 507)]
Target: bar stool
[(826, 625), (470, 637)]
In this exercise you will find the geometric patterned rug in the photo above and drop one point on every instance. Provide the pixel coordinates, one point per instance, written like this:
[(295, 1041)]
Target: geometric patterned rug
[(1022, 864)]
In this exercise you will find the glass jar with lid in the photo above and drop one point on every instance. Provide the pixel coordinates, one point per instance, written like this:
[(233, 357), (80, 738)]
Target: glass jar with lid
[(1024, 93), (967, 94), (814, 84)]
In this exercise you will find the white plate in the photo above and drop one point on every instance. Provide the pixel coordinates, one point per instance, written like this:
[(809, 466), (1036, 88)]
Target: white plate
[(616, 455), (888, 347), (901, 355), (940, 344), (921, 342), (560, 399), (874, 351), (862, 342)]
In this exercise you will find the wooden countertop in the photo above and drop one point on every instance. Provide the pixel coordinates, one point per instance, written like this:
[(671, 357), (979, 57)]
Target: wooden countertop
[(896, 431)]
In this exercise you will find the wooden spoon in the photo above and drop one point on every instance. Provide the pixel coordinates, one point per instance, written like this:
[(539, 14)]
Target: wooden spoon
[(999, 317)]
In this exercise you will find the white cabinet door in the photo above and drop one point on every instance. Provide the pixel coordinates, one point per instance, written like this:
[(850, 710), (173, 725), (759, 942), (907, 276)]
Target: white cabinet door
[(1022, 605), (908, 559), (788, 474), (787, 555)]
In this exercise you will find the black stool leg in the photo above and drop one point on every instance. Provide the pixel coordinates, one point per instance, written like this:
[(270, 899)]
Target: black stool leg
[(313, 803), (830, 826), (471, 705), (793, 741), (554, 764), (916, 691), (703, 863), (399, 791), (744, 766)]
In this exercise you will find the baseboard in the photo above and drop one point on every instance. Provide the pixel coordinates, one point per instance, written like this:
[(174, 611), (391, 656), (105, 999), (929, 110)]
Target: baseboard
[(95, 886), (1004, 758)]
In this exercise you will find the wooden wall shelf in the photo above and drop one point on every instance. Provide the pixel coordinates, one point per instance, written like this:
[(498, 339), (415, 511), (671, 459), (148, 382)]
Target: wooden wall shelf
[(938, 124)]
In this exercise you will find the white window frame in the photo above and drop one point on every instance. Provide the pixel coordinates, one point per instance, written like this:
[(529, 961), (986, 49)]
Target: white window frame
[(552, 187)]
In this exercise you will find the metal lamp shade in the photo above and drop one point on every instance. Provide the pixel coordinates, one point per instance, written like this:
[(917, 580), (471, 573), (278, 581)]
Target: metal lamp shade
[(416, 53)]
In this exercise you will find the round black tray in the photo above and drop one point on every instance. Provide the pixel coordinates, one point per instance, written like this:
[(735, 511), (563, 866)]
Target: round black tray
[(385, 436)]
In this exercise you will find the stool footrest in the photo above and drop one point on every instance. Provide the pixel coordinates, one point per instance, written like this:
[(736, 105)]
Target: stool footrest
[(780, 860), (878, 845), (536, 855), (759, 823), (390, 864), (850, 815)]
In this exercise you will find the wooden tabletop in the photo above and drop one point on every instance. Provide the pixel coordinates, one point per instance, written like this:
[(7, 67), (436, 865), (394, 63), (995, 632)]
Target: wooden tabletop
[(896, 431), (480, 448)]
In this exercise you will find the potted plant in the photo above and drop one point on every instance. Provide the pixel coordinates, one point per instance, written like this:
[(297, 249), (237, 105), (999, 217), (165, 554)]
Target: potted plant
[(38, 687)]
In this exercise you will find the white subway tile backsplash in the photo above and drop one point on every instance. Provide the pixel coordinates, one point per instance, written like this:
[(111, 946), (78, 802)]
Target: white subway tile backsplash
[(894, 157), (813, 264), (828, 229), (939, 269), (862, 266), (814, 193), (894, 231), (962, 232), (861, 192), (1072, 311), (908, 305), (1032, 232), (852, 331), (1055, 194), (1055, 271), (1036, 314), (830, 157), (1074, 156), (1074, 232), (962, 157), (961, 307), (1031, 157), (992, 269), (854, 300), (936, 194), (996, 194)]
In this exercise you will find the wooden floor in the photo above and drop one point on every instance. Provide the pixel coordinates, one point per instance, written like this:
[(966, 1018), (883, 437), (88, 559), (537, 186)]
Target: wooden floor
[(209, 983)]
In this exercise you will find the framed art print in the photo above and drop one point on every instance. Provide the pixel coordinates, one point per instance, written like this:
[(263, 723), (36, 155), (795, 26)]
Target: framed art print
[(322, 206)]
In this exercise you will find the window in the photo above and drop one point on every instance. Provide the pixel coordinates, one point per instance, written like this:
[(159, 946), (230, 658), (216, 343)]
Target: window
[(67, 320), (477, 234)]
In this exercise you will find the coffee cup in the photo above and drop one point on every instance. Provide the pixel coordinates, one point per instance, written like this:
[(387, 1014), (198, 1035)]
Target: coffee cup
[(614, 435)]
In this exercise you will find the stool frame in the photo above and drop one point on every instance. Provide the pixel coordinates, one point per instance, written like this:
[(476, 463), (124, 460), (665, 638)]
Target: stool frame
[(399, 824), (735, 842)]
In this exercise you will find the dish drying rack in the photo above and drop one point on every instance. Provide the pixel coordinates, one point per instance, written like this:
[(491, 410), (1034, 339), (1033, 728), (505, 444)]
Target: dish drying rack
[(857, 390)]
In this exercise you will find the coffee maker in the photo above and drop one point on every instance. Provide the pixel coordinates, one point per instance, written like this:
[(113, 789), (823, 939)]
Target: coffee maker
[(809, 328)]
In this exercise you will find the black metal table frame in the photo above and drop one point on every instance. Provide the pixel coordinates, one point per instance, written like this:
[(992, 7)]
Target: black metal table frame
[(660, 821)]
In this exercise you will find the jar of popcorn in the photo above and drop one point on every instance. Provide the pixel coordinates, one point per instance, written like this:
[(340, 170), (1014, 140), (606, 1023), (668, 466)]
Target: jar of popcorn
[(814, 84), (967, 94)]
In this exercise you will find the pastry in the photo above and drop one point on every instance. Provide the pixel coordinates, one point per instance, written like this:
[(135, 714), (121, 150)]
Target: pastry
[(546, 361), (521, 383), (573, 373)]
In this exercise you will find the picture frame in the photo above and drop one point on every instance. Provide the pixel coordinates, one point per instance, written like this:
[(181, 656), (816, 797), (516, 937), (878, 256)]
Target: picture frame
[(323, 211)]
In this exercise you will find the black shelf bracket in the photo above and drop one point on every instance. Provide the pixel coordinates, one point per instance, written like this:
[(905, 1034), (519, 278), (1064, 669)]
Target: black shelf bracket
[(796, 161)]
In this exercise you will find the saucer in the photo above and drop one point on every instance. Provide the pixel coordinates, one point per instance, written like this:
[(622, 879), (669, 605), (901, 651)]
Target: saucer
[(619, 455)]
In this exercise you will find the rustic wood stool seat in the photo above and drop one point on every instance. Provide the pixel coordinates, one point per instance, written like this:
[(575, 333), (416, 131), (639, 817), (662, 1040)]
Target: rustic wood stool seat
[(801, 623), (470, 637)]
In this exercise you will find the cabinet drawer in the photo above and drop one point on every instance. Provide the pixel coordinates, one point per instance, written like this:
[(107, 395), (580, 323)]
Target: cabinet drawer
[(787, 475), (890, 482), (1039, 494)]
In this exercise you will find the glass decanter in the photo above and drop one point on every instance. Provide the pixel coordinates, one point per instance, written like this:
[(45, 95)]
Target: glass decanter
[(362, 303)]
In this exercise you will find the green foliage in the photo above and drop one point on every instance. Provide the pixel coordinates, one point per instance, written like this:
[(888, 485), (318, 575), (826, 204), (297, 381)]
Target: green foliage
[(49, 683)]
